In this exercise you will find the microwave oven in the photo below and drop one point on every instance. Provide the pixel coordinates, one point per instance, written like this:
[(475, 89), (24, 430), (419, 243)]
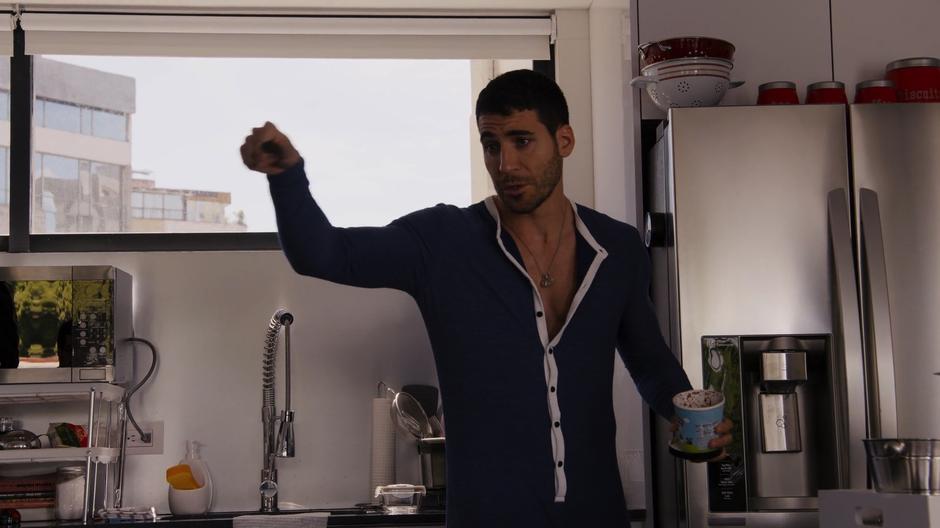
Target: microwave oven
[(65, 324)]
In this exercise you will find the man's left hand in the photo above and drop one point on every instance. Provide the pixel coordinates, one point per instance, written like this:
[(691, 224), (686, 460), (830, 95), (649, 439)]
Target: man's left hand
[(724, 438)]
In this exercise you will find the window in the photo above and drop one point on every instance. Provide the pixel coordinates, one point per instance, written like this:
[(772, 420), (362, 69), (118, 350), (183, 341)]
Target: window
[(62, 116), (79, 119), (76, 196), (157, 206), (153, 205), (138, 119), (110, 125), (369, 130)]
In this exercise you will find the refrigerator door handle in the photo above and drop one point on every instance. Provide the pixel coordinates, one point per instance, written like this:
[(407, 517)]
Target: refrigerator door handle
[(848, 389), (878, 337)]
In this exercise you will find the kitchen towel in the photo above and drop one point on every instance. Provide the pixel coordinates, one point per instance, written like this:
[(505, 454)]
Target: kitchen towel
[(296, 520), (383, 445)]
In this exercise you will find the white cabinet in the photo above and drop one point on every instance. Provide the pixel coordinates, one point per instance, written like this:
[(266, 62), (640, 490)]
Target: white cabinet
[(868, 34), (104, 423), (785, 41)]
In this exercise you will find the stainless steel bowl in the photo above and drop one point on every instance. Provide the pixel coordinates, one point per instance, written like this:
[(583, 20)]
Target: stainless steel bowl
[(904, 465)]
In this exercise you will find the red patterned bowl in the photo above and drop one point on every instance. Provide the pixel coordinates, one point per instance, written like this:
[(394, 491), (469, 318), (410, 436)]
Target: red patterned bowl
[(684, 47)]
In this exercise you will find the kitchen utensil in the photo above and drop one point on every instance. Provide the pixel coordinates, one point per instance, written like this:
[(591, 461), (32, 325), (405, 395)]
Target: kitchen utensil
[(904, 465), (777, 93), (407, 413), (427, 396), (674, 65), (682, 47), (826, 92), (20, 439), (686, 88), (688, 67), (876, 91), (917, 79)]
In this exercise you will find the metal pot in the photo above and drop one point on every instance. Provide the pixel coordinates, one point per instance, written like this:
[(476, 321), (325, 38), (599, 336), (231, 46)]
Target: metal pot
[(20, 439), (904, 465)]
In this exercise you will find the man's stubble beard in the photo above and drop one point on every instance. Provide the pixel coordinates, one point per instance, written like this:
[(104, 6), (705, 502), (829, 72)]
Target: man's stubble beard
[(544, 187)]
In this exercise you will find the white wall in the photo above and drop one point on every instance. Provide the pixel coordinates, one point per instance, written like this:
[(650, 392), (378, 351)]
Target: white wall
[(573, 75), (615, 195), (868, 34), (207, 313)]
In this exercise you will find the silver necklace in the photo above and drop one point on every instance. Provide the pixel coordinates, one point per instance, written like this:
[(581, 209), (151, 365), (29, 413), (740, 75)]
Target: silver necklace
[(546, 276)]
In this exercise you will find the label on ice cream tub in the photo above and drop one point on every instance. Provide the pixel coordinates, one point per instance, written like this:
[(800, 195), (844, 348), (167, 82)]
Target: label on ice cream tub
[(699, 412)]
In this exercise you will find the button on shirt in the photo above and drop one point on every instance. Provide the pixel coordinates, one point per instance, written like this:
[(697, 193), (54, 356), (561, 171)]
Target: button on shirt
[(530, 421)]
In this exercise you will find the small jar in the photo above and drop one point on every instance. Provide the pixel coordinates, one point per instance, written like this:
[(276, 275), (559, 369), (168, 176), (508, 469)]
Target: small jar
[(826, 92), (876, 91), (777, 93), (6, 424), (917, 79), (70, 492)]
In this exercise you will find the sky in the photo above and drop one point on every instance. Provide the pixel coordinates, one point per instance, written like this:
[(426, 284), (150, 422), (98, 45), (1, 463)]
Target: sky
[(380, 138)]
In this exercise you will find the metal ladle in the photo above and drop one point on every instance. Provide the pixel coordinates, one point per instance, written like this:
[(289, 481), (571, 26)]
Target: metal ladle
[(409, 416)]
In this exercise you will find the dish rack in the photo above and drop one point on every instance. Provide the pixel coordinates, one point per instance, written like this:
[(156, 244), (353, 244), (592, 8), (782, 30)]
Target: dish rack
[(106, 423)]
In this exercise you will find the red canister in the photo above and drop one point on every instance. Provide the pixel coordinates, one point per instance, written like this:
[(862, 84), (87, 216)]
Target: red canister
[(777, 93), (917, 79), (826, 92), (876, 91)]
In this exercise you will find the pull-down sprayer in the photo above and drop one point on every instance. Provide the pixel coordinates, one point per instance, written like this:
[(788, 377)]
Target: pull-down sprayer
[(281, 443)]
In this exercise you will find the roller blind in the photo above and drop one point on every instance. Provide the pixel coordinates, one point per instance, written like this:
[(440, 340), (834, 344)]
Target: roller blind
[(287, 37), (6, 35)]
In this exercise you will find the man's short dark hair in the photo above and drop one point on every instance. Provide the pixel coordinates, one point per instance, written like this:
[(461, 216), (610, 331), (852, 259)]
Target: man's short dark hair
[(521, 90)]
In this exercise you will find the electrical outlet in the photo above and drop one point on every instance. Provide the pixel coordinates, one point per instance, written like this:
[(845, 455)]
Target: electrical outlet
[(151, 445)]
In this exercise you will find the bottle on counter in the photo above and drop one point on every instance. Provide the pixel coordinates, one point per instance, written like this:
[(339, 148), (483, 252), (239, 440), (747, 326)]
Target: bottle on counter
[(192, 501)]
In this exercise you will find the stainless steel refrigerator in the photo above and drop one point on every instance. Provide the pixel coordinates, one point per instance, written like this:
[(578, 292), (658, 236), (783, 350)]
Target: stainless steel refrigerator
[(806, 238)]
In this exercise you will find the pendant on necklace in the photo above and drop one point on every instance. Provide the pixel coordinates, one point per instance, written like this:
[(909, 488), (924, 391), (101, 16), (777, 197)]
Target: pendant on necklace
[(546, 281)]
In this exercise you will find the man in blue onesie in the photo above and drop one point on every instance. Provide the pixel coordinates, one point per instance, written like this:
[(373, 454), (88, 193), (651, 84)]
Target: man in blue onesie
[(525, 297)]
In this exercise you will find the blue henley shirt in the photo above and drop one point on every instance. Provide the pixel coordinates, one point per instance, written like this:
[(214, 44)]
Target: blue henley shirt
[(530, 420)]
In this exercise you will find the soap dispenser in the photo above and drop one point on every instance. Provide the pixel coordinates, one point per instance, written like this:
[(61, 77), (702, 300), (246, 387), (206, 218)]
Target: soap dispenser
[(192, 501)]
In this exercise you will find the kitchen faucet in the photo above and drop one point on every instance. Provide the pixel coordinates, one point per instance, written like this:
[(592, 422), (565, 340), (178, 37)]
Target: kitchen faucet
[(281, 443)]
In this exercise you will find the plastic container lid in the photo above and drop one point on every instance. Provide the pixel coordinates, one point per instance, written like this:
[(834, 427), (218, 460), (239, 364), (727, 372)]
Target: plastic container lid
[(400, 490), (913, 62)]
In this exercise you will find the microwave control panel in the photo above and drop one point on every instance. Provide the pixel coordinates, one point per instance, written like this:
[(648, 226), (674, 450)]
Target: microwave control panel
[(92, 334)]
